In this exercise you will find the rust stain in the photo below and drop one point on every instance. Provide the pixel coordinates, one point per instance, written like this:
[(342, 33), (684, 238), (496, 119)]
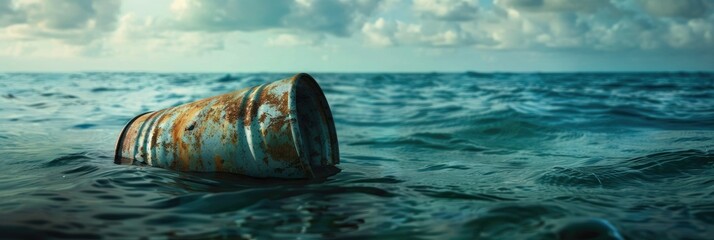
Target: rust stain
[(218, 162), (280, 103), (251, 108), (231, 103), (234, 137), (147, 129), (286, 152), (179, 130), (294, 78), (283, 152), (197, 132), (129, 139), (214, 112), (157, 129), (223, 104), (177, 142), (231, 109), (200, 166), (278, 123), (131, 135), (262, 118)]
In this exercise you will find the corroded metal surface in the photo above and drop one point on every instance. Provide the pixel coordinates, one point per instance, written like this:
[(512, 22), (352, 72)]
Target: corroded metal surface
[(282, 129)]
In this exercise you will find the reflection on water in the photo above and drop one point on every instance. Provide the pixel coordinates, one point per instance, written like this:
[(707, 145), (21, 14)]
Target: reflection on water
[(436, 156)]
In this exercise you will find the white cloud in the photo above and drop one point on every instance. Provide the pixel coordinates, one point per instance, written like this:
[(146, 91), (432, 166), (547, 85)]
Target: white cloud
[(293, 40), (383, 33), (336, 17), (70, 21), (8, 15), (555, 5), (540, 25), (678, 8), (147, 36), (19, 49), (449, 10), (599, 25), (378, 33), (229, 15)]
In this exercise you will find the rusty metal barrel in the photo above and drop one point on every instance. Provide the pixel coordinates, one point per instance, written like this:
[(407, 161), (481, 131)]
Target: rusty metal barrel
[(282, 129)]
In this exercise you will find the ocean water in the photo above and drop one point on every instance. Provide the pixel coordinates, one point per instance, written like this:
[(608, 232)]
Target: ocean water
[(423, 156)]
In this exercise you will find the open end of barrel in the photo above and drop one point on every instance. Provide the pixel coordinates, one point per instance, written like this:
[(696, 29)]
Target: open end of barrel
[(317, 137)]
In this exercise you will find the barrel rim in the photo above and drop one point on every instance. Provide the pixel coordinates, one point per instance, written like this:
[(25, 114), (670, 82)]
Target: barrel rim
[(311, 83), (122, 136)]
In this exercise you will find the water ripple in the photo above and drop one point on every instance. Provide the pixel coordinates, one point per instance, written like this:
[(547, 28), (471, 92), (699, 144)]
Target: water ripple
[(424, 156)]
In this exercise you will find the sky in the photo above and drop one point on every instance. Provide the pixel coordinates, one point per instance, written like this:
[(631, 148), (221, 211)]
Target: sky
[(356, 36)]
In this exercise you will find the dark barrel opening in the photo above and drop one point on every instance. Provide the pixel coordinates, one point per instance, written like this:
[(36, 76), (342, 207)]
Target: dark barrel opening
[(317, 136)]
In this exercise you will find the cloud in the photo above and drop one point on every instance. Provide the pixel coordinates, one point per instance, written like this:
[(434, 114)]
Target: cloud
[(292, 40), (335, 17), (600, 25), (688, 9), (555, 5), (379, 33), (383, 33), (61, 28), (542, 25), (147, 36), (8, 15), (449, 10), (228, 15), (70, 21)]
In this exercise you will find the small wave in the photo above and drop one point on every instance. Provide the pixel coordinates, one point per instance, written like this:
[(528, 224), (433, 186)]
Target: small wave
[(108, 89), (658, 167), (82, 170), (73, 158), (439, 167), (385, 180), (40, 105), (522, 221), (371, 158), (178, 220), (227, 78), (463, 196), (675, 163), (84, 126), (59, 95), (118, 216), (478, 74)]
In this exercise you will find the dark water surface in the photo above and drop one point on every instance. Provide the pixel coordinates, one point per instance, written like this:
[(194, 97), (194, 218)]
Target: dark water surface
[(424, 156)]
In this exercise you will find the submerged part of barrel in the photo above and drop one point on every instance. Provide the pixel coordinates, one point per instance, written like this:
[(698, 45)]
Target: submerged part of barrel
[(282, 129)]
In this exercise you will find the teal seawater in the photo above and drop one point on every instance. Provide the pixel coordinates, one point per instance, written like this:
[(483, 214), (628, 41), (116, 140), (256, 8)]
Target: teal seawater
[(424, 156)]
